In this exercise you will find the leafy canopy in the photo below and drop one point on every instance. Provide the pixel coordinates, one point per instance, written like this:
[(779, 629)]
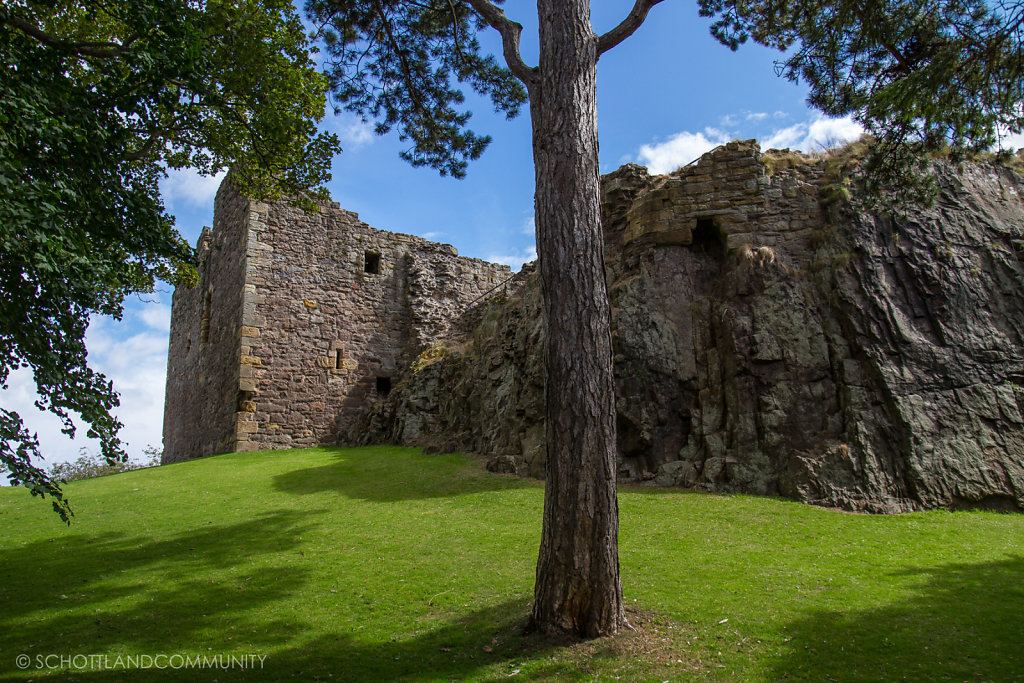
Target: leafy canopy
[(97, 99)]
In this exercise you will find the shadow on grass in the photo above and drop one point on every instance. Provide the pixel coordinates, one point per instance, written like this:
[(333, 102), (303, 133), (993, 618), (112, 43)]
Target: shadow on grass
[(965, 622), (87, 594), (199, 592), (459, 650), (391, 473)]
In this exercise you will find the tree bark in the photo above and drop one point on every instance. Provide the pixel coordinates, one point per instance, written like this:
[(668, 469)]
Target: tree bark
[(578, 591)]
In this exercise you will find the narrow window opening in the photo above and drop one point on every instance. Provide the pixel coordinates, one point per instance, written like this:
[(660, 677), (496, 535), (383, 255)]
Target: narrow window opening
[(337, 359), (371, 263), (383, 386)]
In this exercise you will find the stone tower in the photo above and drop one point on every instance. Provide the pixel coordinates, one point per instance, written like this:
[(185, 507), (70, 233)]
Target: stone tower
[(299, 321)]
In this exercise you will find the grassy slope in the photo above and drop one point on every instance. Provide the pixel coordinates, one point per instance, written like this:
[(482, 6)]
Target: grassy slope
[(383, 564)]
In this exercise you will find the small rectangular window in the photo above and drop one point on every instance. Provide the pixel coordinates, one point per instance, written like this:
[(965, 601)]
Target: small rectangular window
[(371, 263), (383, 386)]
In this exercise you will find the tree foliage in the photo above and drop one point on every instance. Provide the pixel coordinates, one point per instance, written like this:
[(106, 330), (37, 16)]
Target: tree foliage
[(97, 99), (399, 63), (920, 75)]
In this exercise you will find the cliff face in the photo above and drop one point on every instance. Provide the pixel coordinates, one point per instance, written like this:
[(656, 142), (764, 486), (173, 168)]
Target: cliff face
[(853, 360)]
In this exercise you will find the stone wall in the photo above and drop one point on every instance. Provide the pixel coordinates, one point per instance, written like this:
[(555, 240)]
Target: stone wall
[(326, 312), (202, 360), (766, 346)]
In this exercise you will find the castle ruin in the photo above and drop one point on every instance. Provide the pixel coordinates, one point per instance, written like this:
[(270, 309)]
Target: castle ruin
[(769, 337), (300, 320)]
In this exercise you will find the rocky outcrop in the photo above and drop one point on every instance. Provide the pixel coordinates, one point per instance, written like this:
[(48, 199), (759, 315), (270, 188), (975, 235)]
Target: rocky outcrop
[(767, 345)]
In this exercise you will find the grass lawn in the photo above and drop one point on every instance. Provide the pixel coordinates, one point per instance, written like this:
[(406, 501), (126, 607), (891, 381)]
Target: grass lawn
[(381, 564)]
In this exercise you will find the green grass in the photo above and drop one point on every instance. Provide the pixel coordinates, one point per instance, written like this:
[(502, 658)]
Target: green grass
[(381, 564)]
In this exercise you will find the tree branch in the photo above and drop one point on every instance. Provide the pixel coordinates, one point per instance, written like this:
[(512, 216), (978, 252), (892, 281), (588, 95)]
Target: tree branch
[(146, 149), (103, 50), (889, 47), (510, 32), (403, 63), (624, 30), (455, 30)]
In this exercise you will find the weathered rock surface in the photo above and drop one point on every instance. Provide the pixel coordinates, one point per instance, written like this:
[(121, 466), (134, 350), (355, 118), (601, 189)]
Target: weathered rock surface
[(867, 362)]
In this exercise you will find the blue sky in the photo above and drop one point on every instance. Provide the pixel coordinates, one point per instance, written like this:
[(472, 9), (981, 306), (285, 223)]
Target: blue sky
[(665, 96)]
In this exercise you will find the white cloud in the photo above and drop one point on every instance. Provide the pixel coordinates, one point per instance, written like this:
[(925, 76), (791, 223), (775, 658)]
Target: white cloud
[(185, 186), (785, 137), (1008, 140), (680, 149), (351, 130), (808, 136), (135, 363), (156, 316), (719, 134), (811, 136), (432, 235), (357, 134), (515, 261), (138, 368), (20, 397), (530, 226), (825, 132)]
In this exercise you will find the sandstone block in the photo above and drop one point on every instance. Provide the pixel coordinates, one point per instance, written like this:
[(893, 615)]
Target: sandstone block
[(246, 428)]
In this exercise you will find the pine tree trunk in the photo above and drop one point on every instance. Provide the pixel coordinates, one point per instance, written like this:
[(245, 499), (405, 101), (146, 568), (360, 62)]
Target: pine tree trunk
[(578, 591)]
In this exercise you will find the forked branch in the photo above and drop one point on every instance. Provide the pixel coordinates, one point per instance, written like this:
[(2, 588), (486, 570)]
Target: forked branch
[(628, 26), (510, 32)]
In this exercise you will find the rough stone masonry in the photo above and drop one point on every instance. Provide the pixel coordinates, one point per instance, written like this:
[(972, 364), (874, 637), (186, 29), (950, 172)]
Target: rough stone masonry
[(766, 341), (299, 321)]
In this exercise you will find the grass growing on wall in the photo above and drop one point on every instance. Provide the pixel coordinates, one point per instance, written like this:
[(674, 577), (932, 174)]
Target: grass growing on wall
[(379, 564)]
